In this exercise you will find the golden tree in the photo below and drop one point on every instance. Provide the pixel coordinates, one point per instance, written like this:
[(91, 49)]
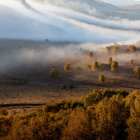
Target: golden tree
[(107, 49), (131, 61), (67, 67), (53, 73), (95, 66), (132, 48), (90, 54), (101, 78), (114, 66), (137, 71), (115, 49), (109, 60)]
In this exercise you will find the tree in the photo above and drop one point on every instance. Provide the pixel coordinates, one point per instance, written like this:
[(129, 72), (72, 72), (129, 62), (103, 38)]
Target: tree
[(131, 61), (114, 66), (110, 118), (132, 48), (137, 71), (115, 49), (109, 60), (107, 49), (78, 127), (67, 67), (101, 78), (95, 66), (53, 73), (90, 54), (134, 119)]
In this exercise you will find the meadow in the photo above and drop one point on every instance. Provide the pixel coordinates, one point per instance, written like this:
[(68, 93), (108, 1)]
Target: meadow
[(69, 91)]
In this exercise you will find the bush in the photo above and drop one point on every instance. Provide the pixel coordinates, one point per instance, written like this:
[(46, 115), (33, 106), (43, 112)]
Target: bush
[(114, 66), (53, 73)]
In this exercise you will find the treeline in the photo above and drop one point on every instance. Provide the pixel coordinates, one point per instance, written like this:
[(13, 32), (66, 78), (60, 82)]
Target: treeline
[(104, 114)]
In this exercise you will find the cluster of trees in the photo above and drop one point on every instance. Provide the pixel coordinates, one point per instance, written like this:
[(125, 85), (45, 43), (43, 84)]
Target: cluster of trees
[(104, 114)]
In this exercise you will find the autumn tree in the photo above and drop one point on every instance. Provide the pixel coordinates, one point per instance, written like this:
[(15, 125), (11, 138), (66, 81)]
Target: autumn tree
[(134, 119), (132, 48), (115, 49), (67, 67), (95, 66), (114, 66), (78, 127), (131, 62), (53, 73), (107, 49), (90, 54), (109, 60), (137, 71), (101, 78)]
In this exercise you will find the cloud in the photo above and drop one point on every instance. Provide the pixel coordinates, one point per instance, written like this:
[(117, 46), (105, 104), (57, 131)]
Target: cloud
[(67, 21)]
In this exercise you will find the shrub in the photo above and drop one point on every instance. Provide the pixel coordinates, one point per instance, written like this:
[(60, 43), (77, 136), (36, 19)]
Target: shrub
[(137, 71), (67, 67), (53, 73), (95, 66), (101, 78), (114, 66), (90, 54)]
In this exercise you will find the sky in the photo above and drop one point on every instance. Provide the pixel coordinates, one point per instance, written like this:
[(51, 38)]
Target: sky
[(122, 2)]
